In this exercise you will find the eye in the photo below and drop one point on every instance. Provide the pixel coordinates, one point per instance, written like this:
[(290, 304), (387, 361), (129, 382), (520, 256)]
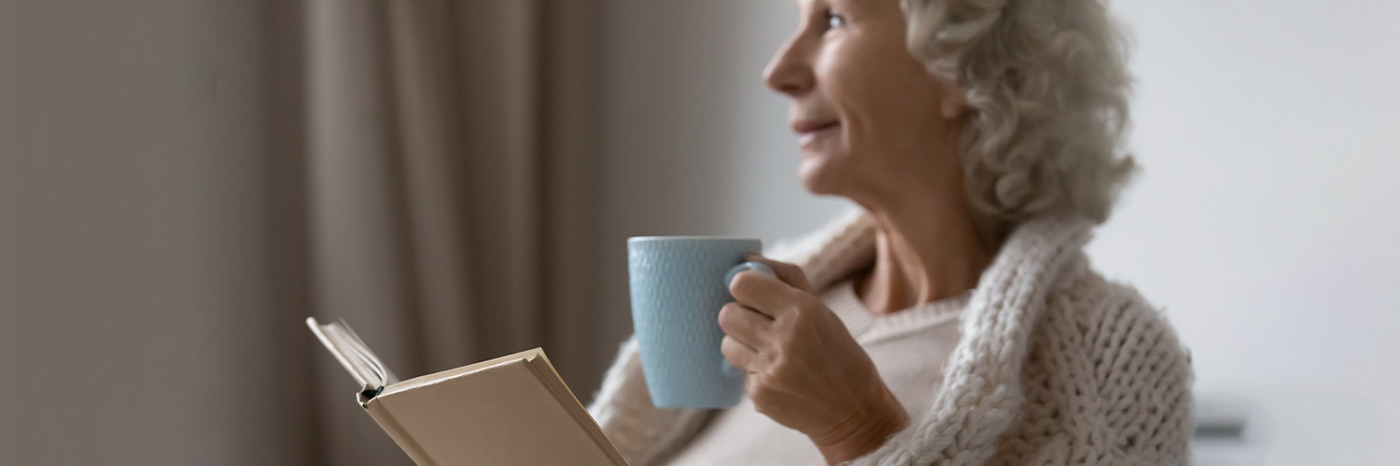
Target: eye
[(834, 21)]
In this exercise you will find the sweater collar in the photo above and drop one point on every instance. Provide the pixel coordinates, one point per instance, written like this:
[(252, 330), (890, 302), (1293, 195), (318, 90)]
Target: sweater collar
[(981, 396), (847, 244)]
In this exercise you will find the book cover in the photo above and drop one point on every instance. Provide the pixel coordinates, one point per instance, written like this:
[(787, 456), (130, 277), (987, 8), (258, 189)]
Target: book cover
[(512, 410)]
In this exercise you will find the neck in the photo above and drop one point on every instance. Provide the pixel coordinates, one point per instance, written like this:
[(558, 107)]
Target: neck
[(924, 254)]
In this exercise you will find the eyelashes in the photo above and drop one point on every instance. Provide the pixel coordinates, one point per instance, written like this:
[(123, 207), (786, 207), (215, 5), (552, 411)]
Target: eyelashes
[(833, 20)]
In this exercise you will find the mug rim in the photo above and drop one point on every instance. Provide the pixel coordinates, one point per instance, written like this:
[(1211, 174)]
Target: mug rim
[(638, 239)]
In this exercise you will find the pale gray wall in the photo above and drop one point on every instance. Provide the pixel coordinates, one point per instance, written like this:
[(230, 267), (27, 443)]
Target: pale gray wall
[(691, 142)]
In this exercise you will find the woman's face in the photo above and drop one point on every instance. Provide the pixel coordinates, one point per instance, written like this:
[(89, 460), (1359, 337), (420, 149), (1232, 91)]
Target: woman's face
[(868, 115)]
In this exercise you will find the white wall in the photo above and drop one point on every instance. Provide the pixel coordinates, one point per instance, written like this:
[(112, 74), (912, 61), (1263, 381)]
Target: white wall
[(1262, 221)]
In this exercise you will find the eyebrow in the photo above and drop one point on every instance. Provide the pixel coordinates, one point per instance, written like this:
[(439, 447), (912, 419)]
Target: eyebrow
[(800, 3)]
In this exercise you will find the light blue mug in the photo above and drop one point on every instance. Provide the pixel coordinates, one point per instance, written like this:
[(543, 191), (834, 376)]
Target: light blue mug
[(679, 284)]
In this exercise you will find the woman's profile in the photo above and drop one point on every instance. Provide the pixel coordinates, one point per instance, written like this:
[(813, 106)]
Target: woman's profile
[(954, 318)]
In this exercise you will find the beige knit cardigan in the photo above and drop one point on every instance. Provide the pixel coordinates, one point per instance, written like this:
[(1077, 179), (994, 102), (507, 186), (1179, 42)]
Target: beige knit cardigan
[(1057, 366)]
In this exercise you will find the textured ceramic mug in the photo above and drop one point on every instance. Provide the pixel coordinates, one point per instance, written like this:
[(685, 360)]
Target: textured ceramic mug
[(679, 284)]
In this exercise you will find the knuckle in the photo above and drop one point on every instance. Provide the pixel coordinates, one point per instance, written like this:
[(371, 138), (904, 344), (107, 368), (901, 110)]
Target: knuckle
[(798, 309), (794, 274), (806, 309), (778, 357), (799, 315), (786, 266), (785, 330)]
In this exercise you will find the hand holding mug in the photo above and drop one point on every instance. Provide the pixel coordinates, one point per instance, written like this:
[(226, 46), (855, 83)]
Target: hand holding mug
[(805, 370)]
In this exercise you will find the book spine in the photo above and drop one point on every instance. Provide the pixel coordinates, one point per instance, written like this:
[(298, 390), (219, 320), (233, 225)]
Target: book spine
[(546, 374), (391, 426)]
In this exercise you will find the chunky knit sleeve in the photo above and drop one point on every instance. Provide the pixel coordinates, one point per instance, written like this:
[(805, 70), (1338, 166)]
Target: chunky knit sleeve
[(642, 433), (1107, 382), (1142, 378)]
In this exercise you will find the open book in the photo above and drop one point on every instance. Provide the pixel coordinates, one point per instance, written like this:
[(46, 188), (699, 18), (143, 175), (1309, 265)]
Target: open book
[(512, 410)]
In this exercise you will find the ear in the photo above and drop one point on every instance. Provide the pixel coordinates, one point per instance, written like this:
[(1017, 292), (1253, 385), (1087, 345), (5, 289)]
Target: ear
[(953, 104)]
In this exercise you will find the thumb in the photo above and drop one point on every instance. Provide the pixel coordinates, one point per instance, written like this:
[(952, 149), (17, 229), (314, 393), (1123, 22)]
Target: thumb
[(788, 273)]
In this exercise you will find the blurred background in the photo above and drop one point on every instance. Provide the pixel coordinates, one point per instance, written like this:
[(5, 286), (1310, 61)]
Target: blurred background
[(182, 183)]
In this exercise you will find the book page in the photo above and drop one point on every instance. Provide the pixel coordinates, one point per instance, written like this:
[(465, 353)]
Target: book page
[(353, 355)]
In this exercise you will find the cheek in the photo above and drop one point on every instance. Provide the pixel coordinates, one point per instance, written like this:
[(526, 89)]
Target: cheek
[(864, 95), (888, 106), (871, 75), (845, 159), (888, 115)]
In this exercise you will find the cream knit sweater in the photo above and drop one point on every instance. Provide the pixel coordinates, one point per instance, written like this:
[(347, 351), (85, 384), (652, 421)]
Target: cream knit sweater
[(1057, 366)]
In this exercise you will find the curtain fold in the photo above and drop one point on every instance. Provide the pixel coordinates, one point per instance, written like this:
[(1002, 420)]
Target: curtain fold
[(448, 191), (182, 183)]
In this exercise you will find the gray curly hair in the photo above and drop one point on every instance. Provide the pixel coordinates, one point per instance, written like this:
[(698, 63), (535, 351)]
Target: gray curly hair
[(1046, 83)]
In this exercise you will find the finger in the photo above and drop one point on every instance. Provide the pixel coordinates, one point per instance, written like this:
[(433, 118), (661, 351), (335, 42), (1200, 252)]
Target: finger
[(744, 324), (738, 354), (763, 293), (788, 273)]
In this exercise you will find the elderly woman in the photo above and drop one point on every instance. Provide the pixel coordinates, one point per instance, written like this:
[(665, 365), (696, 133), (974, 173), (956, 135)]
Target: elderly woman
[(953, 319)]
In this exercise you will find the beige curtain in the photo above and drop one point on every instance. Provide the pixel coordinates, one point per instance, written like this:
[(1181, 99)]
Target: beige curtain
[(441, 160), (181, 183)]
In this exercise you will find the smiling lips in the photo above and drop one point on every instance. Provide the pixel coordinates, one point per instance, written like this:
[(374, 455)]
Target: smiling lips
[(808, 130), (809, 126)]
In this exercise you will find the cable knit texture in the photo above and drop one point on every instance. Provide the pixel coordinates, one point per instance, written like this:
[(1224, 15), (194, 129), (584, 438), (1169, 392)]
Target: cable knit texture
[(1057, 366)]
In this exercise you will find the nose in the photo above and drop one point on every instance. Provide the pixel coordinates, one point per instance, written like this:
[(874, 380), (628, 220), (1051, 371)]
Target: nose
[(790, 70)]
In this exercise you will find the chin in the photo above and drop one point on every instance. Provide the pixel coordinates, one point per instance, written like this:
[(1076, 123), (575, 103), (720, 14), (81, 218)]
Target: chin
[(820, 176)]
